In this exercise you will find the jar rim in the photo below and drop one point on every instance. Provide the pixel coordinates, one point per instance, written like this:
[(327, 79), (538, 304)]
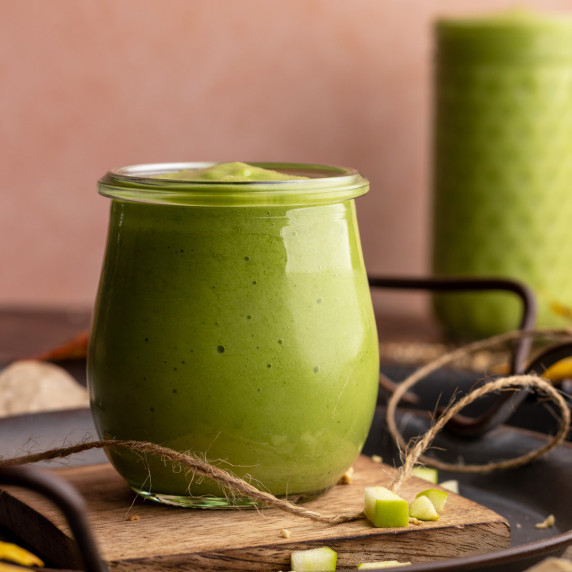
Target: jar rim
[(318, 184)]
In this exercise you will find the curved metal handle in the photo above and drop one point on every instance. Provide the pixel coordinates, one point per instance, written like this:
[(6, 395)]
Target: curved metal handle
[(67, 499), (506, 403)]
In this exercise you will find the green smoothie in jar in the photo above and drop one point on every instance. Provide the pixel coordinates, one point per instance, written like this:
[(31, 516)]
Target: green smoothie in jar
[(234, 320), (502, 168)]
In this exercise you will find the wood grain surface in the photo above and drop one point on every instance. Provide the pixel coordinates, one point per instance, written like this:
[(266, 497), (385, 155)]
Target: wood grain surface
[(134, 534)]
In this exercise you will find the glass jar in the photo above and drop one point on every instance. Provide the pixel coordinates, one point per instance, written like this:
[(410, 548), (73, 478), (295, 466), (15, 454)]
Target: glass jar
[(234, 320)]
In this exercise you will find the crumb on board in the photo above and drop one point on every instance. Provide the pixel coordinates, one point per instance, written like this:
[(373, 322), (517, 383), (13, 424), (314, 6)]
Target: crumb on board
[(376, 459), (285, 533), (346, 478), (548, 522), (133, 517), (413, 520)]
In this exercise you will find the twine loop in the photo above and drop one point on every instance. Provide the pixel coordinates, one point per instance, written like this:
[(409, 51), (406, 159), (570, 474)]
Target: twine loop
[(414, 453)]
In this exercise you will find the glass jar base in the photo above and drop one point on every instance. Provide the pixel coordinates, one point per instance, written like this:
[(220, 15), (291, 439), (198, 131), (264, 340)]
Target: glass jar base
[(212, 502)]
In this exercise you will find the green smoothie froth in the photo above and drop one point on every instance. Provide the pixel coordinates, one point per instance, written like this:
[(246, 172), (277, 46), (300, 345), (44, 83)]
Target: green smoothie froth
[(230, 172)]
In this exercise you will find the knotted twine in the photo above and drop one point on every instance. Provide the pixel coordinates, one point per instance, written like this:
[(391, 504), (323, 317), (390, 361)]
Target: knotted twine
[(411, 454)]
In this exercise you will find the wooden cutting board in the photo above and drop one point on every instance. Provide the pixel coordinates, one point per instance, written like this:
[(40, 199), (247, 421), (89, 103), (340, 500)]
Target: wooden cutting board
[(140, 535)]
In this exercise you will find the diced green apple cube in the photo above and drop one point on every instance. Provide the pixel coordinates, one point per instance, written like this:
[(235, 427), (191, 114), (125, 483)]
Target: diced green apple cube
[(427, 473), (436, 496), (314, 560), (423, 509), (385, 509)]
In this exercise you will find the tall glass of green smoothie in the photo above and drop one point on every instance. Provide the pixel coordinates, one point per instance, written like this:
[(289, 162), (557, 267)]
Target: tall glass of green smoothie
[(234, 320), (503, 165)]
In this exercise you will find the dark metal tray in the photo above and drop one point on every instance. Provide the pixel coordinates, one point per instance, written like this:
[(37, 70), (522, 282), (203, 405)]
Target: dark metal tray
[(524, 496)]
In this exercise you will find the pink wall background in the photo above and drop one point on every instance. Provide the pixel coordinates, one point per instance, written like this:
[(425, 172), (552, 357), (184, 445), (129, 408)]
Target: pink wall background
[(87, 85)]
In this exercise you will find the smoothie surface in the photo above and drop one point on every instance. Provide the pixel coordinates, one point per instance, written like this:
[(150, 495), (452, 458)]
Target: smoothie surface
[(229, 172)]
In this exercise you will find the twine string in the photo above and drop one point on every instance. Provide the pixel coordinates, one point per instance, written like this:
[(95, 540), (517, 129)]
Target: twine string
[(229, 482)]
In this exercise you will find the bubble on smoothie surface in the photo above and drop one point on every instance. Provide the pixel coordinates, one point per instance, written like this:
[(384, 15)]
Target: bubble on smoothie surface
[(229, 172)]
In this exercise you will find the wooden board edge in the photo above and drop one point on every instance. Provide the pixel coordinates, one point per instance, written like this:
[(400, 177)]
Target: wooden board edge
[(351, 551)]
